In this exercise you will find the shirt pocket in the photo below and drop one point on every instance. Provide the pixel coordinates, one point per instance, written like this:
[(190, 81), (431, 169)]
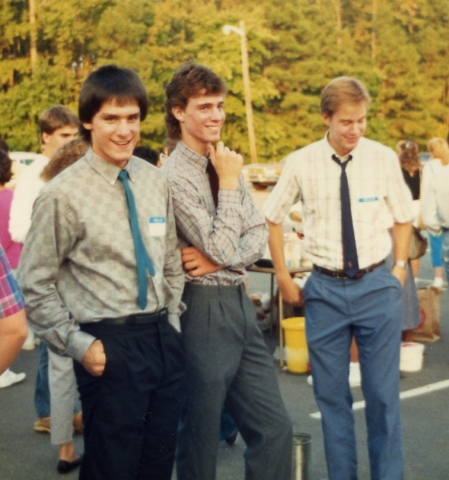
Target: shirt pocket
[(368, 209)]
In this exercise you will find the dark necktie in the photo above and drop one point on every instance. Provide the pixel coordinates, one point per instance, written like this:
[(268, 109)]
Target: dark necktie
[(350, 260), (143, 260), (213, 181)]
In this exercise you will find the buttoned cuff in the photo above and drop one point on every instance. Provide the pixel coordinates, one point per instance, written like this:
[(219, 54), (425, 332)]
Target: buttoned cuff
[(79, 342)]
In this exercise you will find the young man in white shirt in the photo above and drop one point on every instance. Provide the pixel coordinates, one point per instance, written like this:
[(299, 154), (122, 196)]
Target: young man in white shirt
[(350, 293)]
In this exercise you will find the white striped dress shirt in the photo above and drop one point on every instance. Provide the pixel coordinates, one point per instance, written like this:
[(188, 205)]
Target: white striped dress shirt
[(377, 189)]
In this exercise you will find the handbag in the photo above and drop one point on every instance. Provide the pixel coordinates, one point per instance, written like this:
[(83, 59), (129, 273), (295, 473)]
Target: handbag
[(429, 330), (418, 245)]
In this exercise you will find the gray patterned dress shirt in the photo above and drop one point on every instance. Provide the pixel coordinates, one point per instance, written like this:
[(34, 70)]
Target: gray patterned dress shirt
[(234, 235), (78, 263)]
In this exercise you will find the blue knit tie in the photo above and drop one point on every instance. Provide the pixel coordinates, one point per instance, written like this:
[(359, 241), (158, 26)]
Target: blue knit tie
[(350, 260), (143, 260)]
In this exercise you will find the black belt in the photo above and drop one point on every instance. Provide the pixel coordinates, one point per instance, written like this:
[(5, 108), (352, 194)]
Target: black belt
[(137, 319), (342, 275)]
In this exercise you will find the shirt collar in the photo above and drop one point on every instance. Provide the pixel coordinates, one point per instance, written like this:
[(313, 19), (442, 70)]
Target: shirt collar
[(330, 151), (108, 170), (194, 158)]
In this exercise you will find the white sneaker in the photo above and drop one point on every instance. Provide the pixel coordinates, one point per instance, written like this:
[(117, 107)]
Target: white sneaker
[(310, 380), (9, 378), (438, 285), (29, 342), (355, 377)]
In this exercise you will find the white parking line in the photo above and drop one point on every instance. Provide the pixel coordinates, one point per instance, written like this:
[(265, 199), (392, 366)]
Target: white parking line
[(414, 392)]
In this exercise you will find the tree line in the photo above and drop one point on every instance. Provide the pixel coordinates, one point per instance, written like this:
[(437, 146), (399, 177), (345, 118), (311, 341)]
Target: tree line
[(398, 48)]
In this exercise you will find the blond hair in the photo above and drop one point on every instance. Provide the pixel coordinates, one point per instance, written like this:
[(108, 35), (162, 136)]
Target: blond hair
[(439, 148), (343, 90)]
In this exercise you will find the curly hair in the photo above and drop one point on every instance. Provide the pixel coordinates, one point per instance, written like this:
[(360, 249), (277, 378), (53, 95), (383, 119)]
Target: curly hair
[(5, 168), (3, 145), (64, 157), (409, 157)]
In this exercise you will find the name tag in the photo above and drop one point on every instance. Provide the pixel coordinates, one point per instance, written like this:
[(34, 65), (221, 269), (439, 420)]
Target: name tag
[(157, 226), (368, 199)]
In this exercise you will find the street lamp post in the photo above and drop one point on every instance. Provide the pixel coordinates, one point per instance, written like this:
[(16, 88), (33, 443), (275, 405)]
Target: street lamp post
[(227, 29)]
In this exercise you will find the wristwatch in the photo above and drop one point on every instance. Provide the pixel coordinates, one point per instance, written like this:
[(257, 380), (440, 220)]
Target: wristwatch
[(401, 263)]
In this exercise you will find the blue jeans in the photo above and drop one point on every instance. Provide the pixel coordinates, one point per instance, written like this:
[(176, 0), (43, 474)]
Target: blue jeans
[(446, 251), (42, 390), (436, 245), (368, 310)]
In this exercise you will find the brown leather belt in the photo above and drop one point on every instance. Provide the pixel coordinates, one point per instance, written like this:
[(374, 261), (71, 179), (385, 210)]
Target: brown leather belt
[(137, 319), (342, 275)]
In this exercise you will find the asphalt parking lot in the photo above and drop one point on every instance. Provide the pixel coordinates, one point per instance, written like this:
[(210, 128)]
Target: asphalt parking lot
[(27, 455)]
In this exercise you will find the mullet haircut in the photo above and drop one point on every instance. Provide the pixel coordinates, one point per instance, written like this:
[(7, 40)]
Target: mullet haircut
[(190, 80)]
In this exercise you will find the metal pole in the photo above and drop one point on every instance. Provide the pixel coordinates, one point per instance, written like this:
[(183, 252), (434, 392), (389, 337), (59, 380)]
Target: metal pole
[(247, 90), (302, 446)]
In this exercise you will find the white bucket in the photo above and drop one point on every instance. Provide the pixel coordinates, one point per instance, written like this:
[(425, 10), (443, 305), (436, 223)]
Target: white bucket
[(411, 357)]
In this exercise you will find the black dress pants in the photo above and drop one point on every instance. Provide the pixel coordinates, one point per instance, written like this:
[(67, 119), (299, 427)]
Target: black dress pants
[(131, 412)]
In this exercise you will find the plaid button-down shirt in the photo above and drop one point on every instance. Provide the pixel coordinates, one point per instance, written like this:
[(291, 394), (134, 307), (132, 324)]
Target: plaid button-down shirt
[(11, 299), (234, 235), (377, 191)]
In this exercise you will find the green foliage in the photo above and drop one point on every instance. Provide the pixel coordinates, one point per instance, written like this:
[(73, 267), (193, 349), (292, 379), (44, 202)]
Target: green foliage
[(398, 48)]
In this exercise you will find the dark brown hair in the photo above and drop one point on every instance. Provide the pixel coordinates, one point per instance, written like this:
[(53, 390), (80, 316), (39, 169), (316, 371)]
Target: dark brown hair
[(409, 157), (5, 168), (189, 81), (106, 84)]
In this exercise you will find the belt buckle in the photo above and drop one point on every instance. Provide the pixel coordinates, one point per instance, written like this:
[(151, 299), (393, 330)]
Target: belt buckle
[(341, 275)]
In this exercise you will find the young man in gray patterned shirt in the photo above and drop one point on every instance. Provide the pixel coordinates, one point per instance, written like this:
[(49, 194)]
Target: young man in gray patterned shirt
[(221, 231), (79, 278)]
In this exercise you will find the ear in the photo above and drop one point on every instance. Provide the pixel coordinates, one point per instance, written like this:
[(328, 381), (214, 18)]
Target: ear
[(178, 113), (87, 126), (327, 118), (44, 138)]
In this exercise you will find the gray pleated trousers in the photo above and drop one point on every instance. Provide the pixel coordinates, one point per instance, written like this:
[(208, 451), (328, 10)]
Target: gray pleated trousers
[(229, 363)]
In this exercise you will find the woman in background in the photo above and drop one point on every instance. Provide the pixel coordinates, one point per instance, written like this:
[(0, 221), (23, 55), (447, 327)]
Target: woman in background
[(411, 170), (12, 249), (439, 152)]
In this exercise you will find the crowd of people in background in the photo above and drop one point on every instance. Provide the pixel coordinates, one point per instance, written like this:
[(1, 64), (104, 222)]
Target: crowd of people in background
[(158, 257)]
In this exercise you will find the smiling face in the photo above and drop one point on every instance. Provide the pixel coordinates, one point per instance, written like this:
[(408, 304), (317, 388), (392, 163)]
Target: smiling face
[(115, 130), (346, 126), (201, 121)]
